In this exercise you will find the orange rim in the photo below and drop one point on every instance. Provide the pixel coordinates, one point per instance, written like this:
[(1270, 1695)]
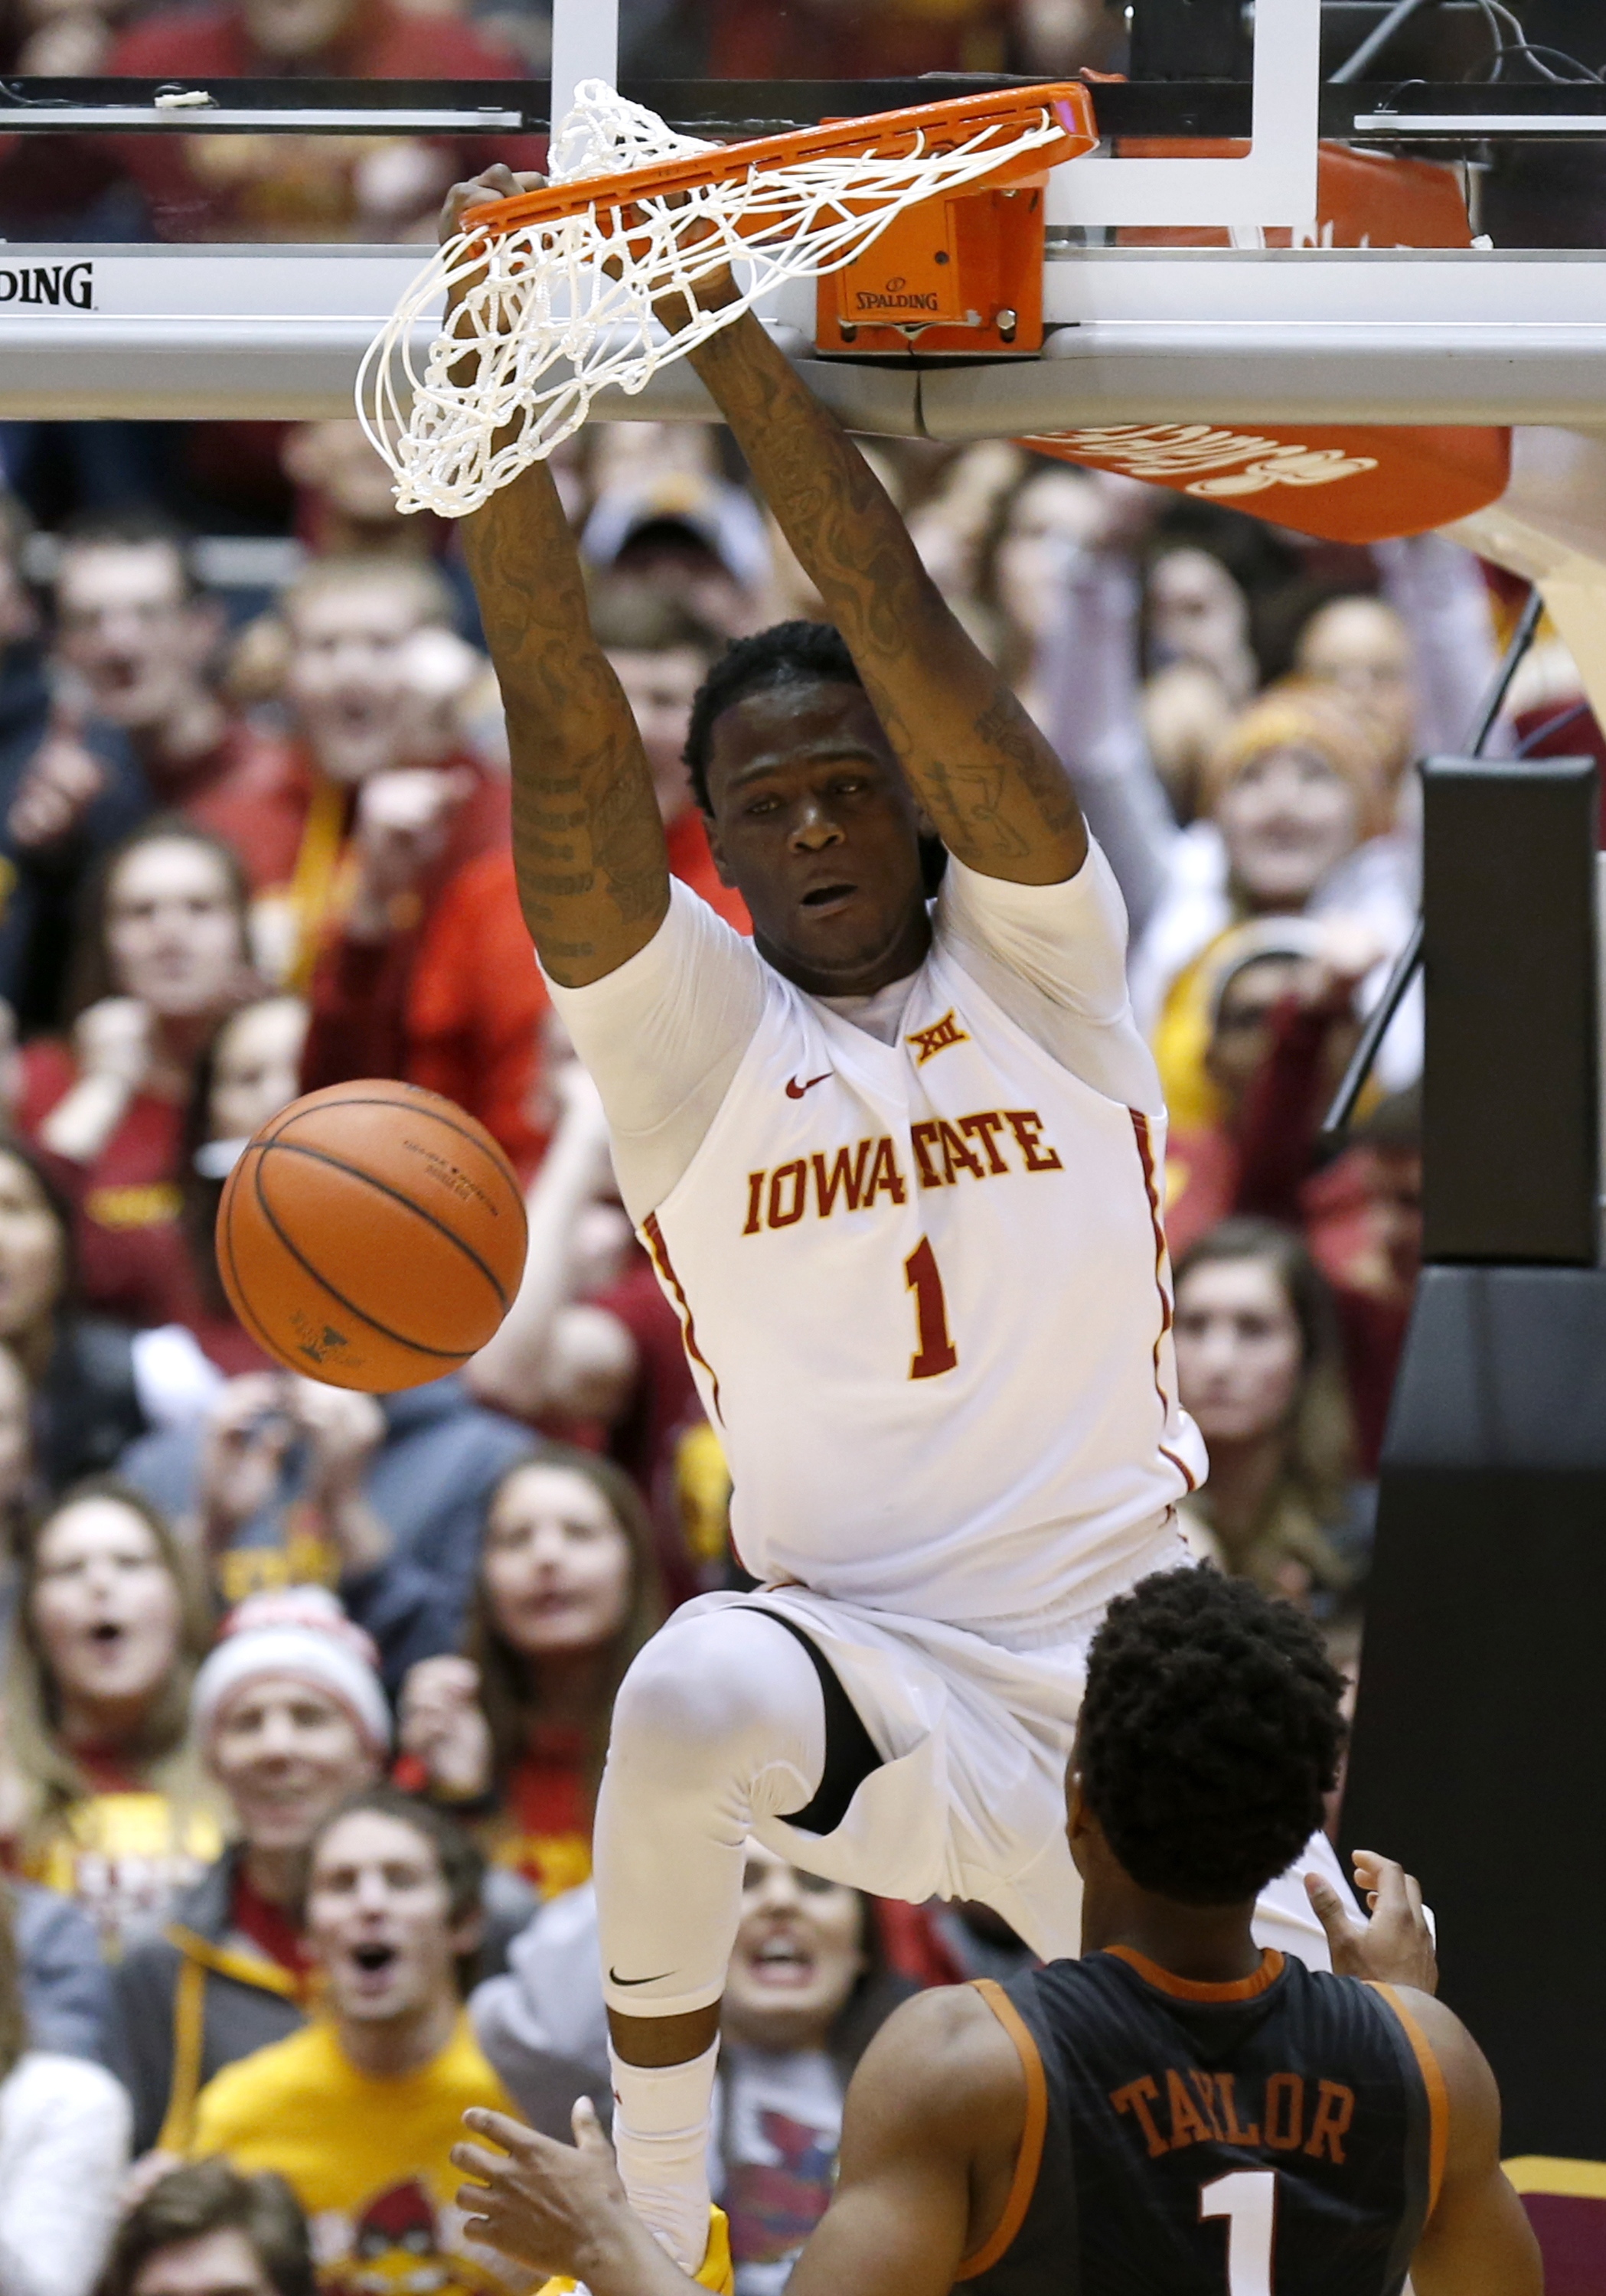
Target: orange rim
[(889, 135)]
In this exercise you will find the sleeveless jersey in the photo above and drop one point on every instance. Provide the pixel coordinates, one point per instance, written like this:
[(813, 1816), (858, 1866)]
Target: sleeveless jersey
[(1280, 2137), (926, 1301)]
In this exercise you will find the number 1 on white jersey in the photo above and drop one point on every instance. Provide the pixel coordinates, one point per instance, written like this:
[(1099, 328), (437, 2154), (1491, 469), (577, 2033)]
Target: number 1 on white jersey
[(1247, 2199), (936, 1352)]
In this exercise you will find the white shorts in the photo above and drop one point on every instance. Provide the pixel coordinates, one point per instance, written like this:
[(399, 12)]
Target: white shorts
[(975, 1737)]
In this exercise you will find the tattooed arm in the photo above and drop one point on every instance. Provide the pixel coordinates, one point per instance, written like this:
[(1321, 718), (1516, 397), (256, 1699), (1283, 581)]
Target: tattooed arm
[(588, 843), (997, 795)]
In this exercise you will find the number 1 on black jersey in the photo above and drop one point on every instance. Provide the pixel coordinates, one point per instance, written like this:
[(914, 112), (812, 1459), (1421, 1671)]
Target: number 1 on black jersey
[(1247, 2199)]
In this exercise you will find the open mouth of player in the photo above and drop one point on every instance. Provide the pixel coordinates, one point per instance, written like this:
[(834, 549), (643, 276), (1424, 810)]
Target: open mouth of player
[(105, 1634), (373, 1961), (826, 900)]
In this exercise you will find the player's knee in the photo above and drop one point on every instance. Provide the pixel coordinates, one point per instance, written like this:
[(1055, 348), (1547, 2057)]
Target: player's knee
[(707, 1688)]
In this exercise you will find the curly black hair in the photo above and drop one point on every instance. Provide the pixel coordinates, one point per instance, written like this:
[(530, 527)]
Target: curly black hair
[(787, 653), (1210, 1731)]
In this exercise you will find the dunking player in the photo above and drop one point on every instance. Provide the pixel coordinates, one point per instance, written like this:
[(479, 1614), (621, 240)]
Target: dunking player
[(1177, 2110), (898, 1165)]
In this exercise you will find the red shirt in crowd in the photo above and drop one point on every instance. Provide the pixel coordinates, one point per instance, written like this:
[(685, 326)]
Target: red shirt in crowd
[(130, 1251), (134, 1261), (452, 1001), (548, 1808), (1335, 1210), (252, 791), (269, 1927)]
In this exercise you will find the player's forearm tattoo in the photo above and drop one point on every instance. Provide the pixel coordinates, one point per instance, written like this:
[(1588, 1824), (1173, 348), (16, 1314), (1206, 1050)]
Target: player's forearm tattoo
[(994, 789), (588, 843)]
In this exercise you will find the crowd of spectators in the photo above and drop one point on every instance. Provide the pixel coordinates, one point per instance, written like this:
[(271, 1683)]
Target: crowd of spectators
[(307, 1692)]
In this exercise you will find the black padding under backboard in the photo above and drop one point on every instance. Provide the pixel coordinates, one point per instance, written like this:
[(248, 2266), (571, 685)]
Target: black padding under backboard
[(1510, 1109), (1480, 1751)]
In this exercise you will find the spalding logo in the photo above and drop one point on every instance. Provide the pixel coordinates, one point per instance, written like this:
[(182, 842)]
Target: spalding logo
[(896, 295), (72, 284)]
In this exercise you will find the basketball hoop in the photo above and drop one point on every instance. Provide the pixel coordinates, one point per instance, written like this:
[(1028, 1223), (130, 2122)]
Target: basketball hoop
[(556, 286)]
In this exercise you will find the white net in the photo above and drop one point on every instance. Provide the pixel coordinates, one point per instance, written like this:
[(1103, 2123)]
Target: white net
[(553, 311)]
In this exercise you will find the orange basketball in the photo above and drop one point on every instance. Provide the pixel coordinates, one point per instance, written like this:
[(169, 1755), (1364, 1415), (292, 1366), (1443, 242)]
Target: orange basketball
[(372, 1236)]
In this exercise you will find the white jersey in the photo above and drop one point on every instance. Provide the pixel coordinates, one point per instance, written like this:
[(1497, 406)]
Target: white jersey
[(925, 1298)]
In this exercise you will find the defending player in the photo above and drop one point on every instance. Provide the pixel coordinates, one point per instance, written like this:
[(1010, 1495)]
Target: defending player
[(1176, 2111), (898, 1166)]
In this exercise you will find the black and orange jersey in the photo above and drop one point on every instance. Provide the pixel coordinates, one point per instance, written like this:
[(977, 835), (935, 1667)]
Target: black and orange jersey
[(1280, 2136)]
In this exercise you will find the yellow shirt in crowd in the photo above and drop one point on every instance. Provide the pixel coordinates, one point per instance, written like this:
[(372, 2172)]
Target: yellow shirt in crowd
[(123, 1855), (367, 2158)]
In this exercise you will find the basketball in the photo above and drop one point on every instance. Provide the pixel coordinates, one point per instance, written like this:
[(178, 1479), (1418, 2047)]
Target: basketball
[(372, 1236)]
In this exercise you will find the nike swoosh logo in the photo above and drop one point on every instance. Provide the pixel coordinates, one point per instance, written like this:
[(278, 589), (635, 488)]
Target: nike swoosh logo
[(795, 1091), (615, 1978)]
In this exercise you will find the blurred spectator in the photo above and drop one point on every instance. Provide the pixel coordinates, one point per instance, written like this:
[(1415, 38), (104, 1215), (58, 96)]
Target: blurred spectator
[(95, 1385), (567, 1595), (289, 1482), (249, 1071), (408, 927), (805, 1994), (1362, 646), (100, 1794), (66, 1987), (1198, 660), (1363, 1218), (20, 1489), (661, 653), (433, 976), (359, 2112), (289, 1716), (960, 509), (1048, 518), (667, 520), (165, 956), (345, 497), (592, 1349), (63, 2142), (1419, 656), (69, 789), (542, 2022), (1295, 788), (133, 625), (204, 2229), (1260, 1367), (1285, 1029), (269, 186), (1279, 996), (951, 1941), (348, 622)]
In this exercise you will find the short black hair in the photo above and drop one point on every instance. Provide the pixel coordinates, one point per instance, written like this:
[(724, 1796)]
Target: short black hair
[(210, 2196), (787, 653), (1210, 1731)]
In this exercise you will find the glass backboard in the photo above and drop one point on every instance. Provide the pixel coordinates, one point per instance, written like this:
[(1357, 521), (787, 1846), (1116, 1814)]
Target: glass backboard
[(1313, 210)]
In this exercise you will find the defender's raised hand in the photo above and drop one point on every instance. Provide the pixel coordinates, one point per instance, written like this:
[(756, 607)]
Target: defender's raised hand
[(560, 2209), (1395, 1946)]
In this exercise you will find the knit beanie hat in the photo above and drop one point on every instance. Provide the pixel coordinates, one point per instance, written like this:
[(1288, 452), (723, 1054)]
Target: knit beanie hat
[(301, 1632), (1303, 714)]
